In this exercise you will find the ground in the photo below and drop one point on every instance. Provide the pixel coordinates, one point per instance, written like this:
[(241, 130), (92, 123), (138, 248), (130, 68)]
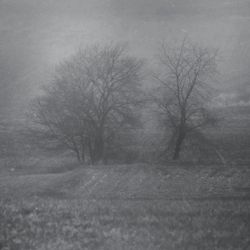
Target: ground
[(137, 206)]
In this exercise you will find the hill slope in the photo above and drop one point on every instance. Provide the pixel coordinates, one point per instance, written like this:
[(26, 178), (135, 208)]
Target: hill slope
[(137, 207), (136, 181)]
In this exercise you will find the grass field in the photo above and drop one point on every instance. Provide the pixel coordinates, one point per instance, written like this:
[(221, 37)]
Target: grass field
[(134, 206)]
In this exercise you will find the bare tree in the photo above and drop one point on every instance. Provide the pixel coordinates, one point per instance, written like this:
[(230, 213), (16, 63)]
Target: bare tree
[(92, 96), (184, 92)]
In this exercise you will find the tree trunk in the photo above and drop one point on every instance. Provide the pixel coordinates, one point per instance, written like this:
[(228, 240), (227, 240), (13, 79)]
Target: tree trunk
[(82, 149), (91, 153), (99, 148), (83, 156), (178, 144), (78, 155)]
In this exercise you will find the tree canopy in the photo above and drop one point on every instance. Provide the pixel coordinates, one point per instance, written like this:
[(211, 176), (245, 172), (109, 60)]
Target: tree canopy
[(93, 95)]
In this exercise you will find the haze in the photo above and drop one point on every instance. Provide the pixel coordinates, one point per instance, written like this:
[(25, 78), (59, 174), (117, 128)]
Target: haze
[(37, 35)]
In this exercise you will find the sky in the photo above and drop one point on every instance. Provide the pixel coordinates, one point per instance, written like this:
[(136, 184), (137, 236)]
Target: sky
[(35, 35)]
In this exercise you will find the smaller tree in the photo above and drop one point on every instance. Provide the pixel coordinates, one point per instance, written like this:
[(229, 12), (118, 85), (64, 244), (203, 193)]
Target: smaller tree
[(184, 92)]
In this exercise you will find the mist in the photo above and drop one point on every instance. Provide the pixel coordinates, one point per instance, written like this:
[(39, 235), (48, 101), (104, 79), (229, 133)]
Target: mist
[(37, 35)]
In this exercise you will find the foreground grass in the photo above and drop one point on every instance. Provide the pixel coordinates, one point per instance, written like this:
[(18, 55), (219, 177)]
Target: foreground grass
[(126, 207), (49, 224)]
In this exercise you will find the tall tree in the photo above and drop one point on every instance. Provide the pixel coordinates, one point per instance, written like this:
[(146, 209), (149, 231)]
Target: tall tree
[(185, 91), (93, 95)]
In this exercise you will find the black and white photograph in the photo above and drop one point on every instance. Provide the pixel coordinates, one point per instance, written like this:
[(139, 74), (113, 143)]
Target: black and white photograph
[(124, 124)]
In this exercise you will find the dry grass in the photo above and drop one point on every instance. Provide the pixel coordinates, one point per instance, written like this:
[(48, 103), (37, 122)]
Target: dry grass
[(126, 207)]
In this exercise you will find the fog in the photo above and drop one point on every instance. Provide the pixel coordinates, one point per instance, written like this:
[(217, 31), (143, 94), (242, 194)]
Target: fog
[(110, 138), (37, 35)]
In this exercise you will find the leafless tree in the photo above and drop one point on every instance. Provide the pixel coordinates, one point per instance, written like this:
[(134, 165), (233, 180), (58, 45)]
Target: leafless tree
[(184, 91), (92, 96)]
